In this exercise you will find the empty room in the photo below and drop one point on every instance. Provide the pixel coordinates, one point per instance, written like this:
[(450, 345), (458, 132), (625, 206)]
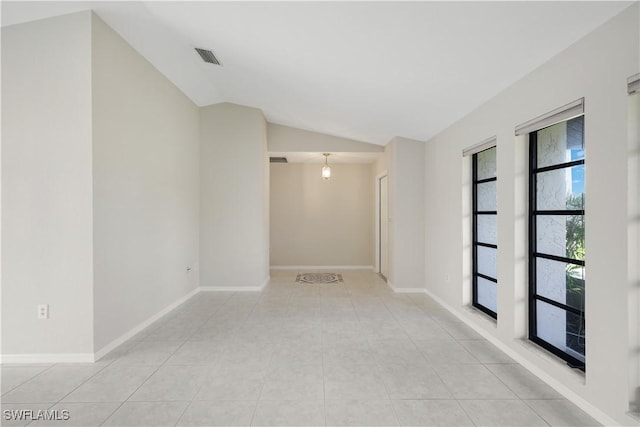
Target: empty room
[(320, 213)]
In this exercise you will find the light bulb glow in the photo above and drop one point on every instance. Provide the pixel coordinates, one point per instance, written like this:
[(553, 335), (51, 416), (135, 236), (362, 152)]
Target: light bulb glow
[(326, 172)]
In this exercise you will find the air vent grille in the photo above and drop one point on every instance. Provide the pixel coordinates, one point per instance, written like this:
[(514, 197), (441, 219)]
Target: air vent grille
[(278, 160), (208, 56)]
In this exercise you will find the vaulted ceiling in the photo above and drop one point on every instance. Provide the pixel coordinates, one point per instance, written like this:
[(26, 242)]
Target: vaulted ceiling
[(361, 70)]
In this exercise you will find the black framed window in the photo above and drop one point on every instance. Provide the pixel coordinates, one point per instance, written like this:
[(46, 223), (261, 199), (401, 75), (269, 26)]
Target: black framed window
[(556, 240), (485, 242)]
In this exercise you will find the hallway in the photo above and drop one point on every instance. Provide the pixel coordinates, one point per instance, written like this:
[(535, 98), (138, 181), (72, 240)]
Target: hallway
[(351, 353)]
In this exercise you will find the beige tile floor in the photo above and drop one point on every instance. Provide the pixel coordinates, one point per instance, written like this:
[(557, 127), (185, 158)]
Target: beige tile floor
[(345, 354)]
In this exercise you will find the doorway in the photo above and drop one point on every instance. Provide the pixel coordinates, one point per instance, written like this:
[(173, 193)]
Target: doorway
[(383, 226)]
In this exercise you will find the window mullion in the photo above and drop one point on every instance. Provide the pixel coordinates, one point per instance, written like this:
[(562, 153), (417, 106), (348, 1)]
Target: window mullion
[(559, 212), (558, 304), (559, 258), (559, 166), (533, 332)]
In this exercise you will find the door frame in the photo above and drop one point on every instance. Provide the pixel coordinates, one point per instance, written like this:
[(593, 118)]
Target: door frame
[(377, 219)]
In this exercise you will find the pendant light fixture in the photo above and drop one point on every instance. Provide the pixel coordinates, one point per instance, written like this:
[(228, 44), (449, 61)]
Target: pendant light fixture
[(326, 170)]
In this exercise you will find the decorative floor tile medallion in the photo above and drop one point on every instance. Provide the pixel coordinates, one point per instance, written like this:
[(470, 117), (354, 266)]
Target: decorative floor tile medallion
[(315, 278)]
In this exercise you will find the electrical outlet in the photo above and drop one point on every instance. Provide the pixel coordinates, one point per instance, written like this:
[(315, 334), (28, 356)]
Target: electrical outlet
[(43, 311)]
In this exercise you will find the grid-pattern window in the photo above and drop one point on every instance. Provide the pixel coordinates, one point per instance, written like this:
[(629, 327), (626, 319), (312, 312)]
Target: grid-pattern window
[(485, 232), (556, 240)]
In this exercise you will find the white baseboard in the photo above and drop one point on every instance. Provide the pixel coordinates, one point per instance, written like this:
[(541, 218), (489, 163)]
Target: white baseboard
[(408, 290), (321, 267), (590, 409), (265, 282), (236, 288), (47, 358), (230, 288), (405, 290), (129, 334)]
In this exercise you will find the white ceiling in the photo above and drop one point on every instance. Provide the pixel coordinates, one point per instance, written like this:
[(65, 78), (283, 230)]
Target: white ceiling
[(361, 70)]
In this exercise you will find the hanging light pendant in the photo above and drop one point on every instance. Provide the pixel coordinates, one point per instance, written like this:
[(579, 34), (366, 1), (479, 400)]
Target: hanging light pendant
[(326, 170)]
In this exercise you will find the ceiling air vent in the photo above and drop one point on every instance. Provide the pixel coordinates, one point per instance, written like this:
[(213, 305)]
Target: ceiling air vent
[(208, 56), (278, 160)]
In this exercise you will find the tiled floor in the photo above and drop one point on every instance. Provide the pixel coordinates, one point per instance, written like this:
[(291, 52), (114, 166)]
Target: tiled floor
[(351, 353)]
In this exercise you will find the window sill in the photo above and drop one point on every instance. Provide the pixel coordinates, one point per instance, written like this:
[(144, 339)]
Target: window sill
[(540, 352), (482, 316)]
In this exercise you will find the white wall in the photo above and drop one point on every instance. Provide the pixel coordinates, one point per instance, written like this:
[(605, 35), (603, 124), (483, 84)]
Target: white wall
[(317, 222), (284, 138), (405, 165), (145, 185), (595, 68), (234, 204), (46, 187)]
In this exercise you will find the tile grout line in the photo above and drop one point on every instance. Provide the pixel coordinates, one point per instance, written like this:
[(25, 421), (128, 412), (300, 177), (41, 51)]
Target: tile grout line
[(127, 399), (263, 380), (184, 411), (536, 412), (465, 412), (28, 379), (61, 400), (83, 383)]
